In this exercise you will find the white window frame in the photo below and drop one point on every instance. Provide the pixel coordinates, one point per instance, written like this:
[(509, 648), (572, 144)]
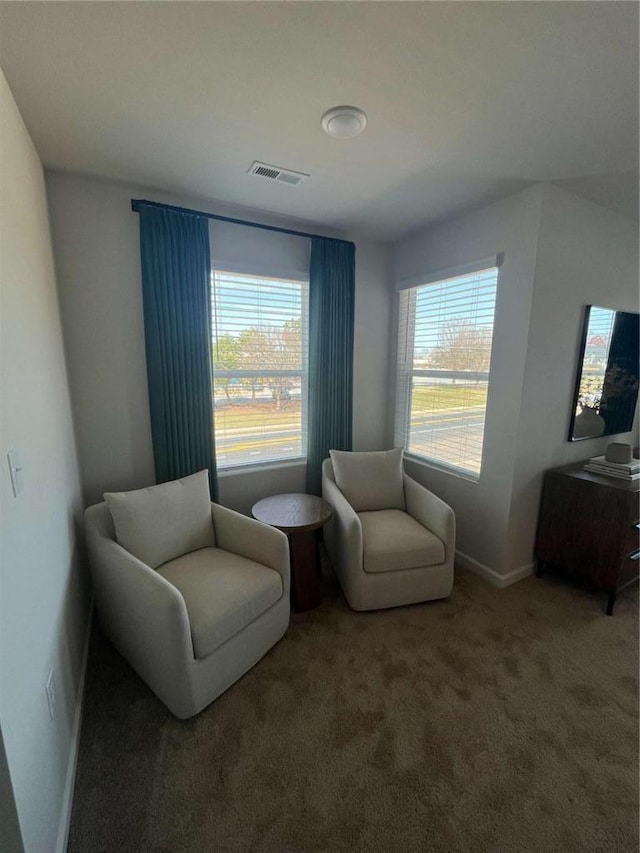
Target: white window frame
[(406, 371), (239, 373)]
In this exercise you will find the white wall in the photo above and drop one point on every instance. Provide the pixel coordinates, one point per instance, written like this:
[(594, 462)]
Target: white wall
[(43, 610), (96, 243), (587, 255), (509, 227), (256, 251), (560, 254), (371, 339)]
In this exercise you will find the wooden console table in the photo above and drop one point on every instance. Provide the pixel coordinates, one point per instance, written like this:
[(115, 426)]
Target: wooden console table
[(300, 517), (588, 525)]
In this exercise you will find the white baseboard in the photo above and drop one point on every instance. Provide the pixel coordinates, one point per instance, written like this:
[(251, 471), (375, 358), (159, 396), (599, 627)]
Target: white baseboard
[(69, 785), (490, 575)]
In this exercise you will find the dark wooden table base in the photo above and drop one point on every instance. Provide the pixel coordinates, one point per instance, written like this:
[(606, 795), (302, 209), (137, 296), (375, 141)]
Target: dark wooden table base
[(300, 517), (305, 570)]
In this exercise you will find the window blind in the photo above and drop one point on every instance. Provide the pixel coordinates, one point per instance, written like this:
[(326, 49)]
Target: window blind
[(259, 333), (445, 336)]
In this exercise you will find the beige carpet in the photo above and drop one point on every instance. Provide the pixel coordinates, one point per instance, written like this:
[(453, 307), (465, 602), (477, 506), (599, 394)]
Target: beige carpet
[(500, 720)]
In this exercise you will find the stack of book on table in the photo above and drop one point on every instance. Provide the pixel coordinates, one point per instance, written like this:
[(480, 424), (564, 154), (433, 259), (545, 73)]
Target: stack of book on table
[(620, 470)]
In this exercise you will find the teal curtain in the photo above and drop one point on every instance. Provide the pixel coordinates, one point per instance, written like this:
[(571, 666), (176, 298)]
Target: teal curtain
[(174, 249), (331, 308)]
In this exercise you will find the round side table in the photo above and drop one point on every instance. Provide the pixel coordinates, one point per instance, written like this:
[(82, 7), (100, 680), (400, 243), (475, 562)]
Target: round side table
[(300, 517)]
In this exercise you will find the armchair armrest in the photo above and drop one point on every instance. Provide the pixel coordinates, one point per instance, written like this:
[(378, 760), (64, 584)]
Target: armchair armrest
[(432, 512), (252, 539), (144, 614), (345, 528)]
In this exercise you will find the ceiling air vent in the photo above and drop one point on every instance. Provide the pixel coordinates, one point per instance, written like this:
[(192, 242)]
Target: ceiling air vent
[(275, 173)]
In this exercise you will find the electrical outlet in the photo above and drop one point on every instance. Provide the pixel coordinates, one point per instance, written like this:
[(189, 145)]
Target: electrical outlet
[(50, 690)]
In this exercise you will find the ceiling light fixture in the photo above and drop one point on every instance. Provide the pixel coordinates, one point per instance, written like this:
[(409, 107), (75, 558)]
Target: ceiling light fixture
[(344, 122)]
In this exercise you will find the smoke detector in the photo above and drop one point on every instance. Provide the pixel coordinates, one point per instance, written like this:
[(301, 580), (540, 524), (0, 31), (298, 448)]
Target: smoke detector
[(276, 173), (344, 122)]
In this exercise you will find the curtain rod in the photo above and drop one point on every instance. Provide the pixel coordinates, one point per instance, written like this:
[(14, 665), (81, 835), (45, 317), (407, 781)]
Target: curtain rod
[(136, 204)]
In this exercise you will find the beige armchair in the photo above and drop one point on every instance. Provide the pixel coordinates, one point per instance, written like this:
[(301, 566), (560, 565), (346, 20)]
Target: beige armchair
[(390, 540), (193, 623)]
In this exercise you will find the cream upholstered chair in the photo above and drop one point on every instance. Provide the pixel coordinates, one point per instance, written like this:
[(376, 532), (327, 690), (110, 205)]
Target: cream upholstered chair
[(390, 540), (192, 594)]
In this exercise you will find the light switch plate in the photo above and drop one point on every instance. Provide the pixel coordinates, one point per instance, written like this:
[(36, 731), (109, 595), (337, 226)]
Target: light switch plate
[(15, 469)]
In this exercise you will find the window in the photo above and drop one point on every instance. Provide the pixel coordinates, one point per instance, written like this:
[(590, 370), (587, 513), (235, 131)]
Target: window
[(444, 356), (259, 330)]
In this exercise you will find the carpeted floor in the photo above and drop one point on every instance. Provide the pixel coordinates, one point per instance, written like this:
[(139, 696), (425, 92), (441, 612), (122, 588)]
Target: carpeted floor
[(500, 720)]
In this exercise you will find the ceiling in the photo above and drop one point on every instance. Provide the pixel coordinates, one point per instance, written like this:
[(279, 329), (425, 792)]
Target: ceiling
[(467, 101)]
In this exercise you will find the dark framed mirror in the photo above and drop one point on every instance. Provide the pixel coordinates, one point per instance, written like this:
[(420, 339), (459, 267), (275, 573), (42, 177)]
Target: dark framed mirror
[(606, 390)]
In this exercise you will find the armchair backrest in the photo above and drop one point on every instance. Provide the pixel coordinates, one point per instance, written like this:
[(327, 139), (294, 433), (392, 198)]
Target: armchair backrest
[(369, 480), (159, 523)]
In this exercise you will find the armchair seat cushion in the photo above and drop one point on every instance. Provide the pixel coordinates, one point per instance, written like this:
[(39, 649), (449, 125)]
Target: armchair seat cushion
[(223, 593), (392, 540)]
